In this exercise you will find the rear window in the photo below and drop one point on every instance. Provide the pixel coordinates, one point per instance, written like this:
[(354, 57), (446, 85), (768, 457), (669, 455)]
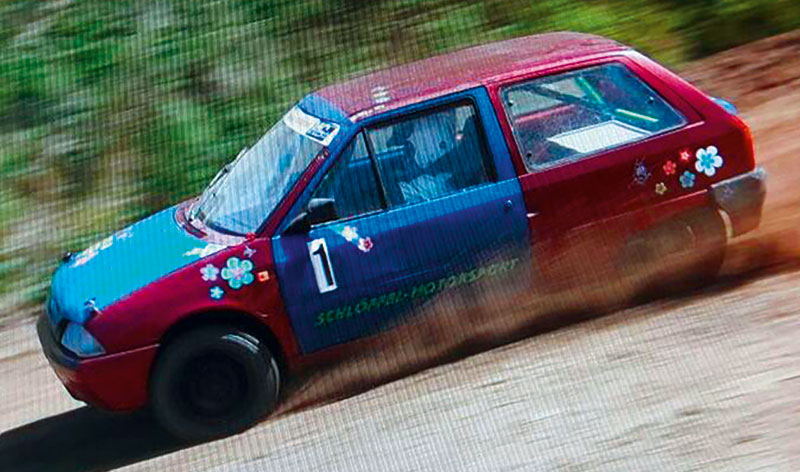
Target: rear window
[(567, 117)]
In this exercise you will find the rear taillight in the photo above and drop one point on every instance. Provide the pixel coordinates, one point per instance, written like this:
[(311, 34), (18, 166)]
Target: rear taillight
[(749, 144), (725, 104)]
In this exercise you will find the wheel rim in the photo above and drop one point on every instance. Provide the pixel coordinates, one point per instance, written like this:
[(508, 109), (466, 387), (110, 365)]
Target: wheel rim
[(213, 386)]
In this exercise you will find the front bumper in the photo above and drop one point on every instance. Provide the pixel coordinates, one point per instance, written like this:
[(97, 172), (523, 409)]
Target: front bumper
[(742, 199), (117, 382)]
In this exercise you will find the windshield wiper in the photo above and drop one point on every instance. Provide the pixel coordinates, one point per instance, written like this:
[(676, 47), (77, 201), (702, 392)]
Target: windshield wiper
[(211, 191)]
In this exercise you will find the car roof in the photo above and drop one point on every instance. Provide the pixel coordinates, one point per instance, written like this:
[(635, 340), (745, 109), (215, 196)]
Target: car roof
[(427, 79)]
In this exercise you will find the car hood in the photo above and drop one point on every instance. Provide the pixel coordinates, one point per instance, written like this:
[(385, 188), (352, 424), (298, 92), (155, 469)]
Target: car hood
[(122, 263)]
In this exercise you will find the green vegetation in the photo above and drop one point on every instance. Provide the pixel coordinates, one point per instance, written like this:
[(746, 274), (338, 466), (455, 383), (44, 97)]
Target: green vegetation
[(112, 110)]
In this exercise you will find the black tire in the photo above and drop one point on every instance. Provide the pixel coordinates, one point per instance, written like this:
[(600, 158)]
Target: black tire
[(711, 240), (213, 382), (681, 254)]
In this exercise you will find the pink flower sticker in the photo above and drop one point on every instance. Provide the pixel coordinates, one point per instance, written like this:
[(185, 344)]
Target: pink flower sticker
[(670, 168), (365, 244)]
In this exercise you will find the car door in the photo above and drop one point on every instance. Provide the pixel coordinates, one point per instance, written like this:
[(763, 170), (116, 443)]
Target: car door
[(603, 155), (421, 210)]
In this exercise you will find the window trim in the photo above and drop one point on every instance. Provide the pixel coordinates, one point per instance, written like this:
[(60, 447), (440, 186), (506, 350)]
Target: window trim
[(488, 157), (375, 168), (686, 120), (379, 183)]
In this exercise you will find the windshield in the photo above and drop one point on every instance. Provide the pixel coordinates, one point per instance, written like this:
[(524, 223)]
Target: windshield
[(245, 191)]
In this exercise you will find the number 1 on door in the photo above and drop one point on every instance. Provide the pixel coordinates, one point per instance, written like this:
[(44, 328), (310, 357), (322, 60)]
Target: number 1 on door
[(318, 251)]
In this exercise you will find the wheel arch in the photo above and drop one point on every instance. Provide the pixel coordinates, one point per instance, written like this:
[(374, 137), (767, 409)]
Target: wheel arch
[(233, 318)]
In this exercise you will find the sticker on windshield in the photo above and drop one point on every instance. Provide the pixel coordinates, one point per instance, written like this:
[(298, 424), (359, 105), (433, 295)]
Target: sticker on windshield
[(323, 133), (311, 127)]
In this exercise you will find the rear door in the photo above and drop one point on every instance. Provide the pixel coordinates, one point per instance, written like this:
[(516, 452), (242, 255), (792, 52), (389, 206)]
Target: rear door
[(427, 203), (602, 154)]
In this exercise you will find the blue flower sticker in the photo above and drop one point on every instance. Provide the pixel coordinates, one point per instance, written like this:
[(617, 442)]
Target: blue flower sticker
[(708, 161), (640, 172), (216, 293), (209, 272), (687, 179), (237, 273)]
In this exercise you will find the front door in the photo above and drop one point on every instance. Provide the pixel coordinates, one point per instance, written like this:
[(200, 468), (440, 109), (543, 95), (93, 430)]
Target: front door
[(420, 212)]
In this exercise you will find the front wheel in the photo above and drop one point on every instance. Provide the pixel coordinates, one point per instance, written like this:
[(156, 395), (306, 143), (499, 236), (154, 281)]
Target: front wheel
[(213, 382)]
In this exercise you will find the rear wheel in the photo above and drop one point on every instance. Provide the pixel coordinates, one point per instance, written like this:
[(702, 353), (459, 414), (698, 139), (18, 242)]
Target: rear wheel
[(213, 382), (683, 253)]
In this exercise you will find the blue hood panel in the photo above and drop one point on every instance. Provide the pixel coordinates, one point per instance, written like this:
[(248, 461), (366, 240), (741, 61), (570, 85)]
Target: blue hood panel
[(123, 263)]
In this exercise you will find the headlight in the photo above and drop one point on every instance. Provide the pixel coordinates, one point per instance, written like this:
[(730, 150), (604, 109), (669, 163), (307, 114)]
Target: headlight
[(80, 341)]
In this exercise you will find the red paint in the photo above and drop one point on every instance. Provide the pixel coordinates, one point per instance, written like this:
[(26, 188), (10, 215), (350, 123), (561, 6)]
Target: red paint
[(114, 382), (460, 70), (123, 325)]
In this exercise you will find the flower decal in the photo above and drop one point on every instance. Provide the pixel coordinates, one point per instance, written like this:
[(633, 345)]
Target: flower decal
[(237, 273), (708, 161), (661, 188), (687, 179), (640, 172), (669, 168), (365, 244), (216, 293), (209, 272), (350, 233), (686, 155)]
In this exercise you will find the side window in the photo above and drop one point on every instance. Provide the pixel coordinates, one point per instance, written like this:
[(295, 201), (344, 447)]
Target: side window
[(431, 155), (351, 182), (567, 117)]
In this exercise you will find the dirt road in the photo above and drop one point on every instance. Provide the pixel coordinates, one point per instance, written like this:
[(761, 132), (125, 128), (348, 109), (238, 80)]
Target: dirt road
[(709, 380)]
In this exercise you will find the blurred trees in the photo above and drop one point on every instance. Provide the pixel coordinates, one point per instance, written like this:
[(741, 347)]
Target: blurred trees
[(112, 110)]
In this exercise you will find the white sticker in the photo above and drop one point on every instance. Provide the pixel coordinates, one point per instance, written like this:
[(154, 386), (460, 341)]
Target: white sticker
[(599, 136), (311, 127), (323, 133), (323, 271)]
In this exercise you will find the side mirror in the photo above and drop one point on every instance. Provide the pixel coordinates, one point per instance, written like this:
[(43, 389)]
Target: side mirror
[(319, 210)]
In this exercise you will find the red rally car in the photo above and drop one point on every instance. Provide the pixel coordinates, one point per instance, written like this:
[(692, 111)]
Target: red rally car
[(371, 197)]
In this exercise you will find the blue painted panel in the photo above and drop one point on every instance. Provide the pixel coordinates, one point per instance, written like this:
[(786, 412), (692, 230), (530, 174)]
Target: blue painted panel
[(421, 245), (124, 262), (411, 245)]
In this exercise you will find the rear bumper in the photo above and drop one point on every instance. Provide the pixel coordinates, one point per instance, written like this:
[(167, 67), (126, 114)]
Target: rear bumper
[(117, 382), (742, 199)]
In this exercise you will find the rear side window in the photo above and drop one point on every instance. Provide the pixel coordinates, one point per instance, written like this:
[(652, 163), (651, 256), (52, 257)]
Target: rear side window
[(430, 155), (567, 117)]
